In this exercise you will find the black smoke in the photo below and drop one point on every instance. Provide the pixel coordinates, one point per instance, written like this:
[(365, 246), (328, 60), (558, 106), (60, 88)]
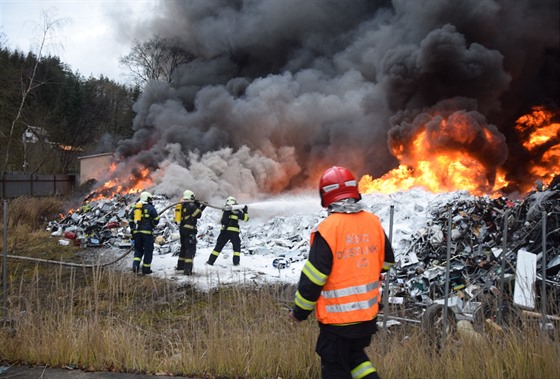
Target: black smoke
[(280, 90)]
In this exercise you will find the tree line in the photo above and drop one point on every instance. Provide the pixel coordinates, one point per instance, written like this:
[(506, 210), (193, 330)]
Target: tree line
[(50, 115), (63, 115)]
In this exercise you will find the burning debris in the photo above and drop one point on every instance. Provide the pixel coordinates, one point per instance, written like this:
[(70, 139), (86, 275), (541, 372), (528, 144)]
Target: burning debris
[(96, 223), (478, 226)]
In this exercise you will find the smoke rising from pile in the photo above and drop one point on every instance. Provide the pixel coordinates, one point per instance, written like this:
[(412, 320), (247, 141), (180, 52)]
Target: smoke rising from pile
[(281, 90)]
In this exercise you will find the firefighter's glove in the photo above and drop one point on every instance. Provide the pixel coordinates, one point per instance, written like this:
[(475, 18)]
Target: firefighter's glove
[(292, 317), (200, 205), (245, 209)]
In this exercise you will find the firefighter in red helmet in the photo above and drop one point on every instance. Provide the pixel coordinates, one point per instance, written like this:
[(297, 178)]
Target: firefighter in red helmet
[(341, 280)]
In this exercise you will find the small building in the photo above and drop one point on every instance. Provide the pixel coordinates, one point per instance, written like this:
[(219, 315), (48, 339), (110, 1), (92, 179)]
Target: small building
[(94, 166)]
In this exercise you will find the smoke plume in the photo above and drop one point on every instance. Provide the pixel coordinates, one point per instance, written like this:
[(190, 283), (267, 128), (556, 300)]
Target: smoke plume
[(281, 90)]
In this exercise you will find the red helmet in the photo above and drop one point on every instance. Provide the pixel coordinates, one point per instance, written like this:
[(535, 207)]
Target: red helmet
[(337, 183)]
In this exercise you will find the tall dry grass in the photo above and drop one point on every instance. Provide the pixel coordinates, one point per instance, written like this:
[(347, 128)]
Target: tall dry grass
[(104, 320), (101, 319), (27, 220)]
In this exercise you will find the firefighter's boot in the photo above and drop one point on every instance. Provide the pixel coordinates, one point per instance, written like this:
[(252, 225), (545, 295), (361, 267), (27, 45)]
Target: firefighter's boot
[(236, 258), (188, 268), (212, 258), (180, 264)]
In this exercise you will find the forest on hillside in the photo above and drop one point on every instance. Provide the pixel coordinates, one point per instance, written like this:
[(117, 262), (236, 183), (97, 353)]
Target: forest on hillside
[(50, 115)]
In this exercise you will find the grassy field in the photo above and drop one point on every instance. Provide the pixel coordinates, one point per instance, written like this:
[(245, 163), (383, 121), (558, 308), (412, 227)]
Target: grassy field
[(99, 319)]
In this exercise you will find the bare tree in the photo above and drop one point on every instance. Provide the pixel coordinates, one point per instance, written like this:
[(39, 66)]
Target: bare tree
[(155, 59), (47, 36), (3, 40)]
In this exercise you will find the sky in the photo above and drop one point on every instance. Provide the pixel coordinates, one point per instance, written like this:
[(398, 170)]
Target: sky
[(92, 37)]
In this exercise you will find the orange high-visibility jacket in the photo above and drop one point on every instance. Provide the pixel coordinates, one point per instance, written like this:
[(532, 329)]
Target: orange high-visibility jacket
[(351, 292)]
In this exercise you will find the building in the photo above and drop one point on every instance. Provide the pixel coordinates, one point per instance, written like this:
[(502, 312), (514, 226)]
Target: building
[(94, 166)]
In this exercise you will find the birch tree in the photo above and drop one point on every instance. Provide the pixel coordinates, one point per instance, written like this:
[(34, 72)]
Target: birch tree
[(47, 39)]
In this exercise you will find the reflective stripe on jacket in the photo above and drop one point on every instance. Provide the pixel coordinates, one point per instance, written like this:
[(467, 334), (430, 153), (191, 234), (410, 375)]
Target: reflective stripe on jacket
[(187, 214), (230, 220), (351, 291), (148, 218)]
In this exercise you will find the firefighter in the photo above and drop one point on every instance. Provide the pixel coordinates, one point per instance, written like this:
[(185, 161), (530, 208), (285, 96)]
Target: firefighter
[(341, 279), (230, 231), (144, 219), (187, 214)]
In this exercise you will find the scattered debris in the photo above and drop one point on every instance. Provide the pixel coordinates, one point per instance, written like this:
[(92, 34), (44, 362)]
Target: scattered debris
[(476, 243), (478, 227)]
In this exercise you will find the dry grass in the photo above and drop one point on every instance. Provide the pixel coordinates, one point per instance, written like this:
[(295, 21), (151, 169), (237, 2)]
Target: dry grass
[(27, 220), (100, 319), (106, 320), (103, 320)]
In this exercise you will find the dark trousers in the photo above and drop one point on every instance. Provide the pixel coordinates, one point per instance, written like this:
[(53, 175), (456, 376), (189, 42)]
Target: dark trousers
[(188, 250), (339, 355), (143, 250), (224, 237)]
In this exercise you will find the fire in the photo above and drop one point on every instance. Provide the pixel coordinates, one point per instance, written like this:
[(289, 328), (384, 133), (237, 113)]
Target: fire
[(134, 182), (453, 162), (442, 174), (541, 137), (438, 158)]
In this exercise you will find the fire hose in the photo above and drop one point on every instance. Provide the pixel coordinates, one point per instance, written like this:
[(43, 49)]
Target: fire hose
[(71, 264)]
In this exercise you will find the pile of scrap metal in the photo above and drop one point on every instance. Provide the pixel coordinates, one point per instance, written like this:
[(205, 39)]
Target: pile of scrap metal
[(96, 223), (475, 247), (104, 223)]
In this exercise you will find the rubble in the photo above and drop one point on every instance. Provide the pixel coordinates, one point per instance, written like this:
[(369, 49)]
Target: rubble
[(419, 276), (476, 245)]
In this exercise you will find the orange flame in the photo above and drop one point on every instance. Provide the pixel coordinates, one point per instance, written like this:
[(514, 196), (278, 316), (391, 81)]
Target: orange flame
[(541, 136), (444, 169), (438, 167), (133, 183)]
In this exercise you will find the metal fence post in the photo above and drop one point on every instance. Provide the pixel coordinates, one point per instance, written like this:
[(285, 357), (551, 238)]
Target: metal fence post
[(5, 258), (447, 269), (543, 268), (500, 315), (387, 279)]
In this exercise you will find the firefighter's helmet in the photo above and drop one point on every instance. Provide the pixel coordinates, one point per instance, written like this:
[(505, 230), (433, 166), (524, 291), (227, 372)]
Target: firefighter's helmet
[(145, 197), (188, 195), (231, 201), (337, 183)]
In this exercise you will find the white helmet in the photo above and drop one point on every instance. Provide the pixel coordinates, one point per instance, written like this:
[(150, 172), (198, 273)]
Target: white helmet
[(231, 201), (188, 195), (145, 197)]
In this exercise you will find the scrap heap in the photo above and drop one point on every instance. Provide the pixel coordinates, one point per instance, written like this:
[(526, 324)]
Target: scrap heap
[(478, 226), (476, 244)]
